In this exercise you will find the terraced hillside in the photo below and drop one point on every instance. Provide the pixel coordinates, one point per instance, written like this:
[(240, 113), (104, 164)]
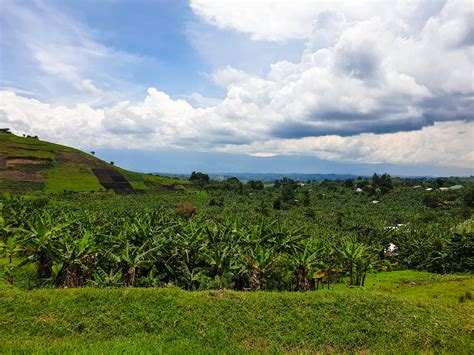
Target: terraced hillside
[(28, 164)]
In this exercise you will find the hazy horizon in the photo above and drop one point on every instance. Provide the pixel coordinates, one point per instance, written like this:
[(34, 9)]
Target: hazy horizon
[(182, 162)]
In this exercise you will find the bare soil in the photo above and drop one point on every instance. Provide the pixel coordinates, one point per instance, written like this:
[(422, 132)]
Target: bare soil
[(15, 162), (31, 176)]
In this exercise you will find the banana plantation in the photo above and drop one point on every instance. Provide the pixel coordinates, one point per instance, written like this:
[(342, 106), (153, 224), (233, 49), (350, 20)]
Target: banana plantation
[(225, 238)]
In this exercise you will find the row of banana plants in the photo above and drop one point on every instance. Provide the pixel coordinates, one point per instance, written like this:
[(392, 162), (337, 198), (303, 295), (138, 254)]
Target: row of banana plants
[(157, 248)]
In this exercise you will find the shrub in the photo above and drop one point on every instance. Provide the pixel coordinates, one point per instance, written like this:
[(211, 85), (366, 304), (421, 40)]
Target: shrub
[(469, 198), (430, 201), (185, 210), (277, 204)]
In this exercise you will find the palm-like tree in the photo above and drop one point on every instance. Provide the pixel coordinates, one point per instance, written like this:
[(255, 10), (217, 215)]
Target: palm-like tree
[(74, 258), (220, 251), (262, 260), (132, 258), (38, 244), (357, 258), (303, 261), (10, 248)]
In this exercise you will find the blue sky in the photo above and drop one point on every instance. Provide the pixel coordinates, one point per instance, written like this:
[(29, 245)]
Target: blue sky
[(309, 85)]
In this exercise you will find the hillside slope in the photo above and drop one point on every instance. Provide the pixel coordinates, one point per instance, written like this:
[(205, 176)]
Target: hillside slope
[(28, 164)]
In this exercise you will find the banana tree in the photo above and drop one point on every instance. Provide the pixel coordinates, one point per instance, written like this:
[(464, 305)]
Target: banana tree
[(132, 258), (10, 248), (220, 251), (262, 260), (74, 259), (357, 258), (303, 261), (38, 244)]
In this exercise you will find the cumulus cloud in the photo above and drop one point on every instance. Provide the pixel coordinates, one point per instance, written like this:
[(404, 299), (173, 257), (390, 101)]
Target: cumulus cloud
[(283, 20), (373, 84), (266, 19)]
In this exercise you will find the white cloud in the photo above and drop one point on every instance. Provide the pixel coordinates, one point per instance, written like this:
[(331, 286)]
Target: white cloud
[(266, 19), (282, 20), (374, 85)]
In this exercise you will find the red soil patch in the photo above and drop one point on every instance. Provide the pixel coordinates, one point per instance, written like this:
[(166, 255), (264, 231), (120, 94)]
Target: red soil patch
[(80, 158), (30, 176), (14, 162)]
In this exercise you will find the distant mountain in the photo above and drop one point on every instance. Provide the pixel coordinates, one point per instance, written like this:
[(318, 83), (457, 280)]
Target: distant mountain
[(184, 162), (269, 176)]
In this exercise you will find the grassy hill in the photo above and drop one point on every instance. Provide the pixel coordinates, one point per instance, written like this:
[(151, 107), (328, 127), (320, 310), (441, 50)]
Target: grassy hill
[(398, 312), (28, 164)]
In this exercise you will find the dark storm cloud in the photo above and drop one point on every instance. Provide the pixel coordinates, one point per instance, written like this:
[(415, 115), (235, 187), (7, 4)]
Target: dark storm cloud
[(292, 130)]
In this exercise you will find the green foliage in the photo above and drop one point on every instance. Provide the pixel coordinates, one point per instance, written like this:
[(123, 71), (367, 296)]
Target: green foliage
[(382, 182), (330, 238), (199, 178), (255, 185), (69, 238), (71, 177)]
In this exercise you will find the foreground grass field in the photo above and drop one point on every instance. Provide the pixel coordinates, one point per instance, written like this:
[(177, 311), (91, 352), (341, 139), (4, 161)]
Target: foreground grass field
[(397, 312)]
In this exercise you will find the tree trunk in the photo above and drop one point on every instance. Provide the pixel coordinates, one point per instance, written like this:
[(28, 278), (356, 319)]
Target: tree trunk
[(351, 280), (255, 283), (303, 283)]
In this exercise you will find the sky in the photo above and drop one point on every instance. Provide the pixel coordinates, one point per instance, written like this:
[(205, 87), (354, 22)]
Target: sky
[(283, 86)]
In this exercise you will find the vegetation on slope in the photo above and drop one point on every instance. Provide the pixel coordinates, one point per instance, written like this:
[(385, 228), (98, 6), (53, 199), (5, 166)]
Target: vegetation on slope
[(28, 164), (71, 177)]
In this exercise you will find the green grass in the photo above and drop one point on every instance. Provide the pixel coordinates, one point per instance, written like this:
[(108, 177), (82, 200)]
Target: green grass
[(71, 177), (396, 313), (14, 146), (147, 182)]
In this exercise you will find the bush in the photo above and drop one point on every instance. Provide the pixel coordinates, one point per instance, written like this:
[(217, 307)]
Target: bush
[(199, 178), (430, 201), (469, 198), (185, 210), (277, 204), (255, 185)]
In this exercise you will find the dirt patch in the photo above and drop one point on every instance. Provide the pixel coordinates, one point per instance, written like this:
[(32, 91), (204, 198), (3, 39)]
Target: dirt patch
[(31, 176), (113, 179), (15, 162), (79, 158)]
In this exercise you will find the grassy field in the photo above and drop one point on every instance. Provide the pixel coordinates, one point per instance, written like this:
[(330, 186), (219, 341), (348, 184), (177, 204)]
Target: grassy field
[(397, 312), (71, 177)]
